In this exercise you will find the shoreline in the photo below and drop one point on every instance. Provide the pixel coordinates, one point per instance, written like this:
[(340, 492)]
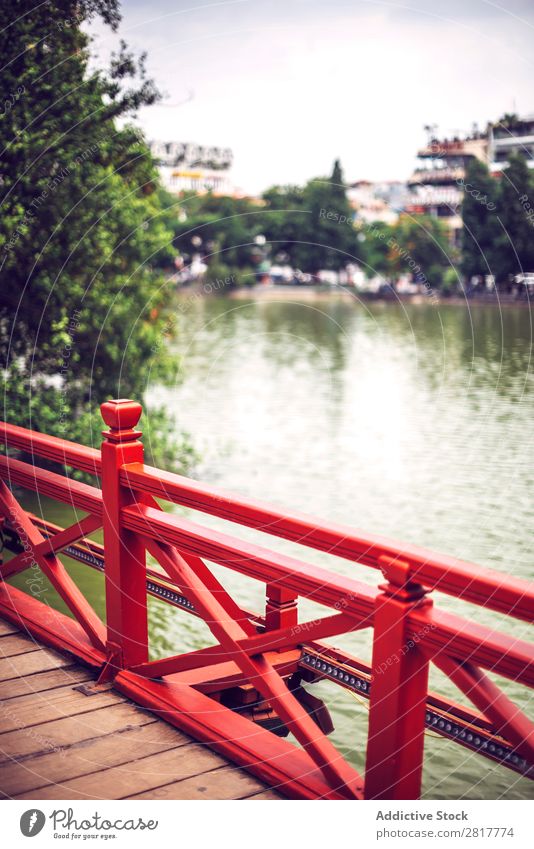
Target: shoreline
[(309, 293)]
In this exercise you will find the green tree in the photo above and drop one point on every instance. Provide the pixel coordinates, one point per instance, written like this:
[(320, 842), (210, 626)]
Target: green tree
[(284, 222), (420, 246), (310, 228), (313, 225), (373, 239), (337, 180), (226, 226), (514, 245), (83, 225), (330, 235), (480, 223)]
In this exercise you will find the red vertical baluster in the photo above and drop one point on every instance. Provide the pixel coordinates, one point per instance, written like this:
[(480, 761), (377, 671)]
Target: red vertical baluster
[(125, 556), (398, 690), (281, 609)]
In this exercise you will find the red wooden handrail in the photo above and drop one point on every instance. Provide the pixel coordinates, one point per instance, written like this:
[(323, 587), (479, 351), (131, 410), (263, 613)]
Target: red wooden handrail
[(51, 448), (267, 652), (309, 581), (492, 589), (470, 582)]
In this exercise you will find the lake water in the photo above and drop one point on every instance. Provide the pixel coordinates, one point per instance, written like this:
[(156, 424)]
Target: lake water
[(412, 421)]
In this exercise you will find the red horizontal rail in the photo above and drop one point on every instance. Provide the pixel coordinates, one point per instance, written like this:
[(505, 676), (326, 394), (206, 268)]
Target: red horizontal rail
[(309, 581), (489, 649), (454, 636), (450, 634), (485, 587), (51, 448), (305, 635), (467, 581), (446, 632), (75, 493)]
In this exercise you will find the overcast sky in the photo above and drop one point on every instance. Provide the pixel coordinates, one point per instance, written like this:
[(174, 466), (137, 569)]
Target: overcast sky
[(290, 85)]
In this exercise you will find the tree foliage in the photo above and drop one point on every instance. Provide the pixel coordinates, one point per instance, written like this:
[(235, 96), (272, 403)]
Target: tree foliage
[(514, 247), (313, 225), (83, 225), (223, 228), (311, 228), (480, 224), (498, 216)]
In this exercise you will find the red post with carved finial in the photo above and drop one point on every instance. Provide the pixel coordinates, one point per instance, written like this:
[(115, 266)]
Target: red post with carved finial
[(399, 687), (125, 556)]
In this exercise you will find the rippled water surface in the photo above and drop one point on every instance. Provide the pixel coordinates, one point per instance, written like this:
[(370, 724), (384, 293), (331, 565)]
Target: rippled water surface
[(413, 421)]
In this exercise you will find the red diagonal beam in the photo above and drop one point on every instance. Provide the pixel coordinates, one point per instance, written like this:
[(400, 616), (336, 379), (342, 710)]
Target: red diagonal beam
[(507, 718), (273, 759), (214, 586), (215, 589), (261, 675), (52, 545), (55, 571), (283, 638), (306, 579), (448, 633)]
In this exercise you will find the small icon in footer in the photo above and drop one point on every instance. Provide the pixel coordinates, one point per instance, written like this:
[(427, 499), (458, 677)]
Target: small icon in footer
[(31, 822)]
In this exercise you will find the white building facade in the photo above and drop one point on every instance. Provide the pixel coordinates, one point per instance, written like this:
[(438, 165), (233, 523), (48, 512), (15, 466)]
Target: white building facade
[(188, 167)]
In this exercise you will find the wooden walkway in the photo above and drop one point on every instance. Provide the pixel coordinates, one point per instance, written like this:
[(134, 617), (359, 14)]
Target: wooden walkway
[(56, 742)]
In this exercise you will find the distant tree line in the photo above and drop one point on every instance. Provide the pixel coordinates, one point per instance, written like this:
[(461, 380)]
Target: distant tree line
[(498, 219), (310, 228), (313, 227)]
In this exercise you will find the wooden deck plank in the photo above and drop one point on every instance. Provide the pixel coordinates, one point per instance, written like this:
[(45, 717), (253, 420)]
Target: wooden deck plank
[(40, 681), (266, 794), (34, 661), (88, 757), (57, 742), (36, 708), (227, 782), (136, 777), (55, 735), (8, 628), (15, 644)]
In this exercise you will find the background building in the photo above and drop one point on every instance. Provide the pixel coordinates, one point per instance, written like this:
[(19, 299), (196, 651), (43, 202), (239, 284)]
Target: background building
[(436, 183), (377, 201), (187, 167), (510, 135)]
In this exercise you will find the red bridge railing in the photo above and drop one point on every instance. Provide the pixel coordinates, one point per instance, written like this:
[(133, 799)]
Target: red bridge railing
[(244, 692)]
